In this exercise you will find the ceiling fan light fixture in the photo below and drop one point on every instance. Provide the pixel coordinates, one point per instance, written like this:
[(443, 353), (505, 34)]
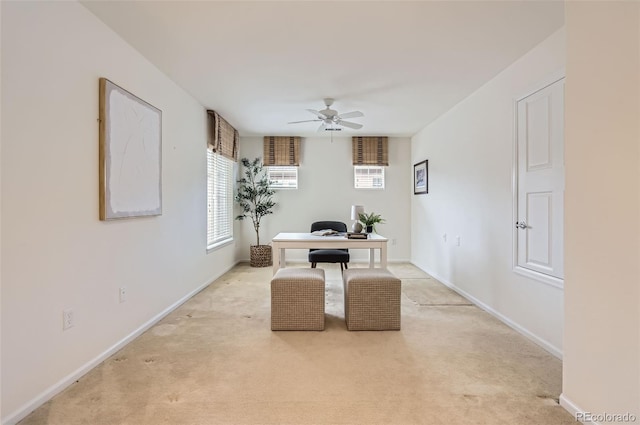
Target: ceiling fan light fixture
[(330, 119)]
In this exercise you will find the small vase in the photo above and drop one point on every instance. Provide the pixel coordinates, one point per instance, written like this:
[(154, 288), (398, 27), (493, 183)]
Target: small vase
[(369, 229)]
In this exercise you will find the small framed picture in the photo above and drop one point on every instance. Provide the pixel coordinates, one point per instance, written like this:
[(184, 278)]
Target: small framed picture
[(421, 177)]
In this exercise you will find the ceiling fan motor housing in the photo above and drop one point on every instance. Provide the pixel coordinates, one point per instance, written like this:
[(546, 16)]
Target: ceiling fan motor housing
[(329, 113)]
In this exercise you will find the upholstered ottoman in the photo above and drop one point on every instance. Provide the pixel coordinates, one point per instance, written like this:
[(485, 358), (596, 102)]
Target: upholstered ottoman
[(371, 300), (297, 300)]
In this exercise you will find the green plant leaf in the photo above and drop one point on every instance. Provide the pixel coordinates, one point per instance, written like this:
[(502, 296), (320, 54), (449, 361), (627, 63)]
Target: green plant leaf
[(254, 194)]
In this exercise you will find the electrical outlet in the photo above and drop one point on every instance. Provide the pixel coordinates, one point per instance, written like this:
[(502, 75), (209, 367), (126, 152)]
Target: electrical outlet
[(67, 319), (393, 241), (123, 294), (457, 240)]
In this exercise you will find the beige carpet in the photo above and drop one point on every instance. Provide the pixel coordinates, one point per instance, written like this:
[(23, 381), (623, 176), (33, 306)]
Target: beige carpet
[(216, 361)]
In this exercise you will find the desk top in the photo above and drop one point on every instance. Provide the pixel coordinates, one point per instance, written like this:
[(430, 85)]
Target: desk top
[(293, 237)]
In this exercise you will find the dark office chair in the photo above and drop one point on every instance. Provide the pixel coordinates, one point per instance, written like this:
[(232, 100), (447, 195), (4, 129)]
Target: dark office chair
[(329, 255)]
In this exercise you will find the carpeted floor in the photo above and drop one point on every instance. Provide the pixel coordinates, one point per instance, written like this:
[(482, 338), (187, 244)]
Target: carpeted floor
[(215, 361)]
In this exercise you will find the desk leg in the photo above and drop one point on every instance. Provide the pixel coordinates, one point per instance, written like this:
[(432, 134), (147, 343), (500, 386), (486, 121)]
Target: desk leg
[(276, 257), (372, 258), (383, 256)]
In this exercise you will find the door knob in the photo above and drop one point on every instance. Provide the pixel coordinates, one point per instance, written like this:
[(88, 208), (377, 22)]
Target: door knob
[(521, 225)]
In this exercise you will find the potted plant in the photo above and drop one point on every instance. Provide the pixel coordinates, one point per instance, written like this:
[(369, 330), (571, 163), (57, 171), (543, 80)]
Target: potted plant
[(255, 197), (370, 220)]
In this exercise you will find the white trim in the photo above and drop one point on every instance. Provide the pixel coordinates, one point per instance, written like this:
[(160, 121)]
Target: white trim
[(531, 274), (544, 278), (575, 410), (65, 382), (220, 244), (513, 325), (543, 84), (572, 408)]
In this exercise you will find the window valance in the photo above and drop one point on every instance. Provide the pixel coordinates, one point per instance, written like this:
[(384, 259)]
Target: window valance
[(222, 138), (370, 150), (281, 150)]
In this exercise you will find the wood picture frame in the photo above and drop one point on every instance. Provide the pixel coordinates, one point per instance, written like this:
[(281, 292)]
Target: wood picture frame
[(421, 177), (130, 154)]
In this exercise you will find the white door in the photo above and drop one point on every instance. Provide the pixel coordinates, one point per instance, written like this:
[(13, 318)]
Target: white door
[(540, 181)]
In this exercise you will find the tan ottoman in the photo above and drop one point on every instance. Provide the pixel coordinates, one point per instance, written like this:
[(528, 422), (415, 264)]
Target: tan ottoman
[(371, 300), (297, 300)]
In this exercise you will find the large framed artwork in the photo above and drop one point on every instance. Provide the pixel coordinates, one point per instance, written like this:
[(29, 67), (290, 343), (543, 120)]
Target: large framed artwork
[(130, 155), (421, 177)]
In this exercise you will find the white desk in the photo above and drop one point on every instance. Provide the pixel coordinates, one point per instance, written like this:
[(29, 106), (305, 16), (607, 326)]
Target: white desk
[(282, 241)]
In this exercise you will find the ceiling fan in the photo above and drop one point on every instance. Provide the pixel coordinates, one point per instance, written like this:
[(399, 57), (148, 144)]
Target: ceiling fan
[(330, 118)]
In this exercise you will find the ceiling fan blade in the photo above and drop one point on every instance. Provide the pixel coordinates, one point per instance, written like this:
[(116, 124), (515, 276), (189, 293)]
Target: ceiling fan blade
[(317, 114), (354, 114), (349, 124), (298, 122), (322, 126)]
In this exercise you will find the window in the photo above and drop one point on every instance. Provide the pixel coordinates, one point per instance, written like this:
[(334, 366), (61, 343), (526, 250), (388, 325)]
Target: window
[(219, 199), (368, 177), (283, 177)]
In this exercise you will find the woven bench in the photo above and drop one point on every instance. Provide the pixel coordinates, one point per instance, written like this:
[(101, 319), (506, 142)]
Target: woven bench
[(297, 300), (371, 300)]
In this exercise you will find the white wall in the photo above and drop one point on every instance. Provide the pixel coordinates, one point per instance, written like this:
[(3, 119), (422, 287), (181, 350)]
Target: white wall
[(325, 181), (470, 152), (0, 214), (602, 262), (56, 254)]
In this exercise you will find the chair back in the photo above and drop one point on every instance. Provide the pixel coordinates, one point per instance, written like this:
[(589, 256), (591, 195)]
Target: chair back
[(338, 226)]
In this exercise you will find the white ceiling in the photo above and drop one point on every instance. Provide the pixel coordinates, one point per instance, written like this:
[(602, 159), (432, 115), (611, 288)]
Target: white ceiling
[(261, 64)]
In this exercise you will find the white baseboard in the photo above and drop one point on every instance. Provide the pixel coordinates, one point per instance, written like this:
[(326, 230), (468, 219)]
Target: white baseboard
[(586, 417), (569, 406), (61, 385), (572, 408), (530, 335)]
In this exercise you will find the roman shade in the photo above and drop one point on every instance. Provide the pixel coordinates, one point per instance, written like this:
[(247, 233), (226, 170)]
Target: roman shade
[(222, 138), (281, 150), (370, 150)]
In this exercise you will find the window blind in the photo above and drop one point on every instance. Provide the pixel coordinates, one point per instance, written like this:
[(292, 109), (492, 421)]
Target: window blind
[(219, 199), (368, 177), (370, 150), (283, 177), (281, 150), (222, 138)]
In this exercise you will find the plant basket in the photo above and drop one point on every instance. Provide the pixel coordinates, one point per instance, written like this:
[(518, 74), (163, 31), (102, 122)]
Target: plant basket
[(260, 256)]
